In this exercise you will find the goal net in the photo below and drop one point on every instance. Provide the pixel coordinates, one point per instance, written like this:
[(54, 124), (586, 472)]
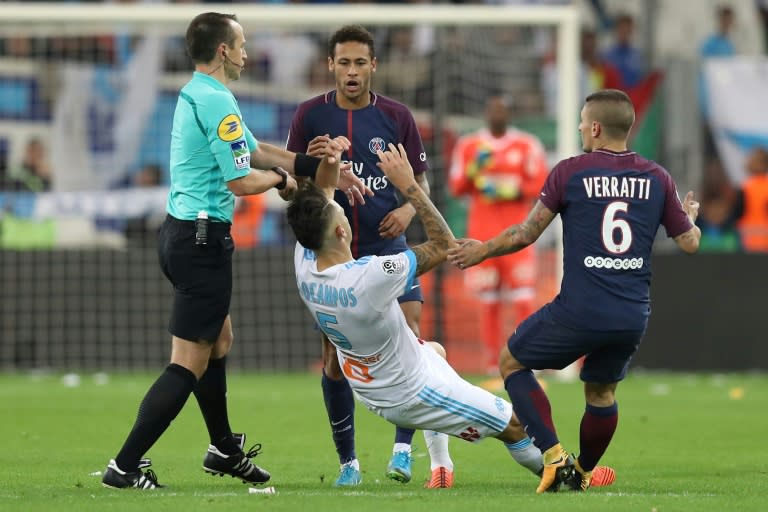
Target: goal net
[(87, 94)]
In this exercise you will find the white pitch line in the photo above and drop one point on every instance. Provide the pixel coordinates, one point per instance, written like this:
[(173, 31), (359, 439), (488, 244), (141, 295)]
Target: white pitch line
[(659, 495)]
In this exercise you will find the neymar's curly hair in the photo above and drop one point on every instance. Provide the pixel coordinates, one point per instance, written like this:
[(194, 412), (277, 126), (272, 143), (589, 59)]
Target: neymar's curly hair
[(354, 33)]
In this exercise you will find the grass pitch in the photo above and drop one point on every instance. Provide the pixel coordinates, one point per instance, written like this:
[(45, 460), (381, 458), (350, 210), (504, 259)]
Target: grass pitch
[(684, 442)]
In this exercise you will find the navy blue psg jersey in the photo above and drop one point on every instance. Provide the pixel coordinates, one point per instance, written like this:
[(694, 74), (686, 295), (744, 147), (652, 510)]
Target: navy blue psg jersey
[(369, 129), (611, 205)]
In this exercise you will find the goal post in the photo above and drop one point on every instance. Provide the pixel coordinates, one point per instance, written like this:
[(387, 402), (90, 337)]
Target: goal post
[(98, 83), (18, 17)]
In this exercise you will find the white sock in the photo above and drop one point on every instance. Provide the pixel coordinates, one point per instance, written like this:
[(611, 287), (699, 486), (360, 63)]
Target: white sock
[(354, 463), (437, 446), (526, 454), (401, 447)]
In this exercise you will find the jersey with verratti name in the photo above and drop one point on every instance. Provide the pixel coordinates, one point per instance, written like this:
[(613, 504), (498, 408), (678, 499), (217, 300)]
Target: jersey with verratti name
[(355, 305), (369, 129), (611, 205), (210, 145)]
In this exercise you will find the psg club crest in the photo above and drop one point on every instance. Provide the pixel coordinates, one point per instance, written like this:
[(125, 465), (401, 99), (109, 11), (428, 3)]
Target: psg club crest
[(377, 144)]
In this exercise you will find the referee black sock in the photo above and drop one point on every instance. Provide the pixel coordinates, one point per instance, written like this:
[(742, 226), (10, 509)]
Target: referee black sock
[(211, 395), (160, 406)]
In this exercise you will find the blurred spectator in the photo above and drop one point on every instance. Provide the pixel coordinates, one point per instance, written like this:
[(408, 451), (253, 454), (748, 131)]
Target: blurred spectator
[(284, 56), (762, 8), (404, 75), (595, 73), (753, 221), (501, 170), (720, 44), (6, 183), (139, 231), (717, 45), (150, 175), (718, 212), (175, 56), (319, 76), (18, 46), (33, 174), (623, 55), (247, 219)]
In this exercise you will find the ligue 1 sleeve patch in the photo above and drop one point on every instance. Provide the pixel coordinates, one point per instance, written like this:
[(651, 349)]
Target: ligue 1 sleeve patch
[(394, 266), (240, 154), (230, 128)]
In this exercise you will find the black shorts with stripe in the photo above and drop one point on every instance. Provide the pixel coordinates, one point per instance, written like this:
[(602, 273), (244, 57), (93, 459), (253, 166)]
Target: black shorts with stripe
[(201, 276)]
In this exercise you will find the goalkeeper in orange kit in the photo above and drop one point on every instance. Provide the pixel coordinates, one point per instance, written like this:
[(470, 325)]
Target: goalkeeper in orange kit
[(501, 170)]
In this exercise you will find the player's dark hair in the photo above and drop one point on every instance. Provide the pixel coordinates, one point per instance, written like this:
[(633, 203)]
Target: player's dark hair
[(347, 33), (308, 215), (614, 110), (206, 32)]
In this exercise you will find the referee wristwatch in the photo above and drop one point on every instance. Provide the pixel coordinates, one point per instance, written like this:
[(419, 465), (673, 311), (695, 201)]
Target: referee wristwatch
[(284, 174)]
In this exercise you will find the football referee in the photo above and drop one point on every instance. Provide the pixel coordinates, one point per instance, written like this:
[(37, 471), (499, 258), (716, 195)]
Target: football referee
[(214, 157)]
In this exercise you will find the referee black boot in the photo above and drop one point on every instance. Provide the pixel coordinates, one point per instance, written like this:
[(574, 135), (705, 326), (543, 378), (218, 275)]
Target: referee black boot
[(116, 478), (238, 465)]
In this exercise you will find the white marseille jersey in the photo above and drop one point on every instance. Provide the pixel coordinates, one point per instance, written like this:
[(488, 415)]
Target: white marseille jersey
[(355, 304)]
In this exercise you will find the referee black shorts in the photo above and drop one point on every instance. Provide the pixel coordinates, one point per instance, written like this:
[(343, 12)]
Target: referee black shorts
[(201, 276)]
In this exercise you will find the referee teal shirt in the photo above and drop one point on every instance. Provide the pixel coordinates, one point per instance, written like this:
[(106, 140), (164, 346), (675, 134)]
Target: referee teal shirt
[(210, 145)]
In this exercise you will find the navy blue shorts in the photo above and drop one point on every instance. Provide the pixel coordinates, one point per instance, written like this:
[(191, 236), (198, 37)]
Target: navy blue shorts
[(541, 343), (413, 294), (201, 276)]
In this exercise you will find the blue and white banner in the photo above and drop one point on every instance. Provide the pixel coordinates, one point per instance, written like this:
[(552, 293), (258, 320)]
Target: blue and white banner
[(737, 104), (89, 204), (100, 116)]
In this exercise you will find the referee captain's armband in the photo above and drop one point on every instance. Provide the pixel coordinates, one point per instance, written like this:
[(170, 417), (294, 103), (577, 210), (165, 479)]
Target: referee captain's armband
[(305, 165), (284, 174)]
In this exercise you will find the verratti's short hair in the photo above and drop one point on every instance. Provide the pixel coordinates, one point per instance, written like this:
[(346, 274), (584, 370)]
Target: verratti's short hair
[(206, 32), (614, 110), (347, 33), (309, 215)]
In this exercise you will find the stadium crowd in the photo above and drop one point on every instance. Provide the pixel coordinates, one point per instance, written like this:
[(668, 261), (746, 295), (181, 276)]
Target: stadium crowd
[(616, 52)]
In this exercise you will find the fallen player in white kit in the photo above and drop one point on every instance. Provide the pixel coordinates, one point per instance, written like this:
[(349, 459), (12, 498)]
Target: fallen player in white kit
[(405, 380)]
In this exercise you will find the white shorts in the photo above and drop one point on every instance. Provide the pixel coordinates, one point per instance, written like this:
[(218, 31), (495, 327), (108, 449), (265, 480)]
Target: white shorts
[(450, 404)]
